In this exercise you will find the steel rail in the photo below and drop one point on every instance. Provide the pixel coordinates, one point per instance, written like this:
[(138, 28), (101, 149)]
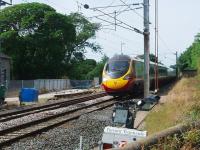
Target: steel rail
[(49, 106), (12, 134), (64, 95)]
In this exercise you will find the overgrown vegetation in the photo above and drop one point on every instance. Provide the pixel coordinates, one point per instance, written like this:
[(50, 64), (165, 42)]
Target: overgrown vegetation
[(189, 140)]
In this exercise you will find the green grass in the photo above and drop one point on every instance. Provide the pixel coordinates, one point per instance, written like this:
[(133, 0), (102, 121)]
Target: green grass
[(181, 104)]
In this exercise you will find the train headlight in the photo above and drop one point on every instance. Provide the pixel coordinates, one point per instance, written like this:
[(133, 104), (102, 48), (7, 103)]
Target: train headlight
[(139, 103), (105, 79)]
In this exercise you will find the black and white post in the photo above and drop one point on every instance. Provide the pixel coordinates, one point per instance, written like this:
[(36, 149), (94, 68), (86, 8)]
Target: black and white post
[(146, 48)]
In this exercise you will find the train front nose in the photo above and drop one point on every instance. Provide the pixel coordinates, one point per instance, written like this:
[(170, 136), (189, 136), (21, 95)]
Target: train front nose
[(114, 85)]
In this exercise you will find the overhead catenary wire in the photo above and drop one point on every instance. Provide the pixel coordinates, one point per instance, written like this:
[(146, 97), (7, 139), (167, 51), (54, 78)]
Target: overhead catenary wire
[(164, 43), (117, 13), (115, 6), (129, 26), (132, 9), (128, 9)]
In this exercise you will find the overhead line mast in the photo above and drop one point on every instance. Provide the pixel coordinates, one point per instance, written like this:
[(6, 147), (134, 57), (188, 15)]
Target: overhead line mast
[(156, 46), (146, 48)]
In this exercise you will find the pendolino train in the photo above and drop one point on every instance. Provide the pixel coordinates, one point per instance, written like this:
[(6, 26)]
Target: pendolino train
[(123, 75)]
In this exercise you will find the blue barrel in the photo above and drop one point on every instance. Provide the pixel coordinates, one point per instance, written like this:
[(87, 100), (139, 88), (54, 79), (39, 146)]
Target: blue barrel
[(28, 95)]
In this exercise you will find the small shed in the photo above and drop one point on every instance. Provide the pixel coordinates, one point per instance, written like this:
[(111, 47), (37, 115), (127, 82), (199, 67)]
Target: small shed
[(5, 63)]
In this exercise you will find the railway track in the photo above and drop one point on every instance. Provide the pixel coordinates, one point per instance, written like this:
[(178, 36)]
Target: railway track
[(13, 133), (64, 95), (12, 114)]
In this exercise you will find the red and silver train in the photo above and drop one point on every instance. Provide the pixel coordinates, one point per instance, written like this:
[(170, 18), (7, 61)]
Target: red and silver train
[(123, 75)]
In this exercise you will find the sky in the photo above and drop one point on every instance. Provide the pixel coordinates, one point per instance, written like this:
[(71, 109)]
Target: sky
[(178, 24)]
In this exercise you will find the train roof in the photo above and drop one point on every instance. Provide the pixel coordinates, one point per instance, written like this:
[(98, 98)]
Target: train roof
[(126, 57), (153, 63), (119, 57)]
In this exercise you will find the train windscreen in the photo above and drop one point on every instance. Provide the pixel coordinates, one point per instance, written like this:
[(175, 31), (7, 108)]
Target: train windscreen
[(116, 69)]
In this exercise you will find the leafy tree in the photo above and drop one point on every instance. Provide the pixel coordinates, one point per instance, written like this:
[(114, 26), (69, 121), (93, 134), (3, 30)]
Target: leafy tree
[(37, 38), (97, 71), (42, 42), (84, 31), (87, 69), (190, 59), (79, 69)]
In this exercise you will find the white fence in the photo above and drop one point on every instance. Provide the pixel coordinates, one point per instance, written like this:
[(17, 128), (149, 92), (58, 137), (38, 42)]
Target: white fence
[(46, 85), (51, 84)]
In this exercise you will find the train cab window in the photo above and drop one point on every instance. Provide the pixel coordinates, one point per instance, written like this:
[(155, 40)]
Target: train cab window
[(117, 69)]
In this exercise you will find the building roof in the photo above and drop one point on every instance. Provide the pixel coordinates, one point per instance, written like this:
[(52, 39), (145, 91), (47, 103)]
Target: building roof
[(2, 55)]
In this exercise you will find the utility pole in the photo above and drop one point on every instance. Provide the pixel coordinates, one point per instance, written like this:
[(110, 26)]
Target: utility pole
[(156, 46), (146, 48)]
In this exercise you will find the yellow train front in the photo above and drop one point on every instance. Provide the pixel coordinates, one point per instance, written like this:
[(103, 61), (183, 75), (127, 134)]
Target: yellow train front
[(118, 75)]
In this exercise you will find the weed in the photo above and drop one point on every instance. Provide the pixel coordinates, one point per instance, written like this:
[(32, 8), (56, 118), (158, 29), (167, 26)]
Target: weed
[(192, 137), (194, 113)]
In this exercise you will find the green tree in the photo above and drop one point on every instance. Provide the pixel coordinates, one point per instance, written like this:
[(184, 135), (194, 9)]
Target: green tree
[(190, 59), (79, 69), (84, 31), (97, 71), (37, 38), (42, 42)]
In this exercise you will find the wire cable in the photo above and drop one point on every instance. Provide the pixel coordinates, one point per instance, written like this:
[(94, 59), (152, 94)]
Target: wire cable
[(132, 9), (130, 27), (165, 44)]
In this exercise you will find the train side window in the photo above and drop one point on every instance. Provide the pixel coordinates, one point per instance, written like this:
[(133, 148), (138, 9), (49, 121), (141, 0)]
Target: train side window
[(152, 71), (139, 69)]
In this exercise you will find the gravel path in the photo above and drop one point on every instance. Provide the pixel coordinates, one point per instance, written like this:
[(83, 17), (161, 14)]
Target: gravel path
[(66, 137)]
